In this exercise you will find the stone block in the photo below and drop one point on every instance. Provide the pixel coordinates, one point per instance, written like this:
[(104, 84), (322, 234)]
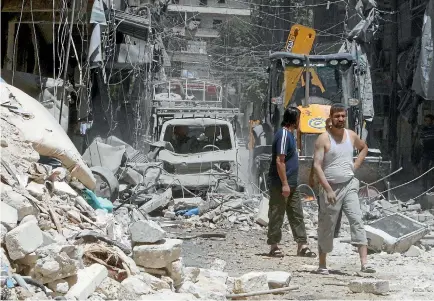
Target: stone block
[(19, 202), (136, 285), (251, 282), (47, 239), (157, 255), (23, 240), (200, 292), (176, 272), (211, 280), (146, 232), (278, 279), (187, 203), (413, 252), (370, 286), (88, 279), (56, 262), (8, 216), (62, 188), (29, 218), (114, 290), (158, 201), (36, 190)]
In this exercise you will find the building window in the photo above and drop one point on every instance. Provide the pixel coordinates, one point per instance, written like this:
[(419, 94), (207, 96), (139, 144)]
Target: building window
[(203, 2), (216, 24), (175, 1), (221, 1)]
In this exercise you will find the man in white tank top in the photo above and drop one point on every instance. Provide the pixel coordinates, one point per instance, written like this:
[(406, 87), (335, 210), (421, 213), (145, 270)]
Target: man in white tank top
[(334, 168)]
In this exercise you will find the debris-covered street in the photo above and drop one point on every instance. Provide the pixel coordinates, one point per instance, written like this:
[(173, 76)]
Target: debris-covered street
[(217, 150)]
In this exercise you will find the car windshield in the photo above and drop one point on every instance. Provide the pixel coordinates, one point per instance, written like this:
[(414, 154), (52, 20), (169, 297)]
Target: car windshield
[(186, 139)]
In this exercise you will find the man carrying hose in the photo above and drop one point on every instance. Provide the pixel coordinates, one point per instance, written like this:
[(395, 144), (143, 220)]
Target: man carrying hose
[(283, 182), (334, 167)]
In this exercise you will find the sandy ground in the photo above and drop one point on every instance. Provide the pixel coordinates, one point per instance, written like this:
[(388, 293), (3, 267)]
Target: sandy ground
[(245, 252)]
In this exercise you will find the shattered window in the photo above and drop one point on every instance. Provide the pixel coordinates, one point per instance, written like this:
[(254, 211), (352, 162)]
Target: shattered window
[(196, 139)]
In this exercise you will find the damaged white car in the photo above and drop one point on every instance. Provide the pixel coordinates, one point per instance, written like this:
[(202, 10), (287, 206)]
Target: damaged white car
[(199, 154)]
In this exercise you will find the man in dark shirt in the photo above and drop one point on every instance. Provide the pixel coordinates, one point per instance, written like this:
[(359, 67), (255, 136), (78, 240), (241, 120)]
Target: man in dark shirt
[(427, 142), (283, 182)]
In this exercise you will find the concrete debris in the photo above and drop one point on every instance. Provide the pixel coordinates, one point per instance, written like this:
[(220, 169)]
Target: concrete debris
[(187, 203), (370, 286), (56, 262), (146, 232), (29, 218), (50, 233), (19, 202), (88, 279), (36, 190), (130, 176), (394, 233), (59, 286), (114, 290), (136, 285), (250, 282), (155, 283), (9, 215), (199, 292), (158, 201), (278, 279), (157, 255), (3, 232), (23, 240), (62, 188), (413, 252), (176, 272)]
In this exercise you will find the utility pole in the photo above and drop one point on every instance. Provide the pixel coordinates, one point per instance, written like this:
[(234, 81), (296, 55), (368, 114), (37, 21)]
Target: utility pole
[(393, 111)]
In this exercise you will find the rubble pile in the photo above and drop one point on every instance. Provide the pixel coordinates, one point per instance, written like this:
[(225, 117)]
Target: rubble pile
[(56, 242)]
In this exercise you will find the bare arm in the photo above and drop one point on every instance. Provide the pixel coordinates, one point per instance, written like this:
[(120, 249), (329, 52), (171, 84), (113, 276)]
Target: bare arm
[(281, 169), (363, 150), (318, 159)]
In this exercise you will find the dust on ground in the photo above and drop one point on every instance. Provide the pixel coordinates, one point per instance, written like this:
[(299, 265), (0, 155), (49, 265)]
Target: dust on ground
[(246, 251)]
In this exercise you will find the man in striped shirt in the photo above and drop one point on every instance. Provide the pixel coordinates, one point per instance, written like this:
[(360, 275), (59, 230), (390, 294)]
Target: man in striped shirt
[(427, 142)]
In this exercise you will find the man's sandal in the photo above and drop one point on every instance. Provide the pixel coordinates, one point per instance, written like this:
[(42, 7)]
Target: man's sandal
[(306, 252), (367, 269), (276, 253), (322, 271)]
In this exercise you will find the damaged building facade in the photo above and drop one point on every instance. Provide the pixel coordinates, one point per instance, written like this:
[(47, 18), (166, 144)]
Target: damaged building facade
[(106, 52), (397, 39)]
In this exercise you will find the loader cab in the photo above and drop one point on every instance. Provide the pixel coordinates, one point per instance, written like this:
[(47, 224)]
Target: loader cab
[(311, 83)]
